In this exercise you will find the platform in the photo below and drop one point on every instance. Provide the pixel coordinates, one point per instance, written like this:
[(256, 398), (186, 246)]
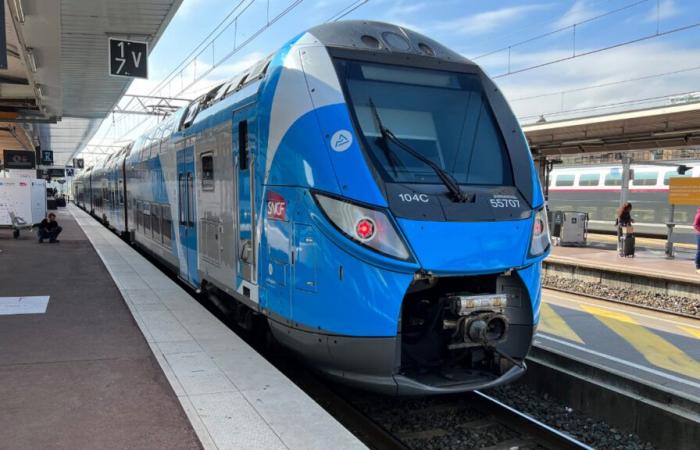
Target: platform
[(657, 348), (128, 359), (647, 263)]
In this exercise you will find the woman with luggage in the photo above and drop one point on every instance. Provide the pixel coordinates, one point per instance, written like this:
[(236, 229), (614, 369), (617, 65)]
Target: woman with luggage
[(625, 231)]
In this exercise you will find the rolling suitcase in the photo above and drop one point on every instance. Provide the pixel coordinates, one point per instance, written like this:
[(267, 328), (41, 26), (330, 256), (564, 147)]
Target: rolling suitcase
[(627, 245)]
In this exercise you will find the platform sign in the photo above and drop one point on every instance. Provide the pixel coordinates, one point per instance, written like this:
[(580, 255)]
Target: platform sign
[(128, 58), (46, 157), (18, 159), (684, 191), (78, 163)]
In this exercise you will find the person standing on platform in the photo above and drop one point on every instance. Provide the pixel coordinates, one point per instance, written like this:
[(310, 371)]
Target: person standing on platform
[(696, 225), (49, 229), (625, 231)]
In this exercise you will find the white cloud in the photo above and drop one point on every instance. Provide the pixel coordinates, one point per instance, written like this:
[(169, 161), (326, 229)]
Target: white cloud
[(579, 11), (666, 10), (403, 8), (602, 68), (488, 20)]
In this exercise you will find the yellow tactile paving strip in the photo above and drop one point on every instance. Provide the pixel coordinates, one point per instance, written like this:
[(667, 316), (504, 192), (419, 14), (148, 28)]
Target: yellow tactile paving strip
[(646, 332)]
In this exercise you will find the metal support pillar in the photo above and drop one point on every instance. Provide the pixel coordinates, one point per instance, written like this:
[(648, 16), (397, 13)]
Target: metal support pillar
[(670, 225), (625, 188)]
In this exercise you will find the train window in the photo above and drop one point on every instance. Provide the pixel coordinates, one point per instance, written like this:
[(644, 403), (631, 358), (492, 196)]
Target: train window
[(182, 199), (613, 179), (167, 224), (565, 180), (121, 192), (146, 218), (192, 112), (444, 116), (155, 222), (190, 200), (589, 179), (207, 171), (645, 178), (139, 215), (674, 174), (243, 145)]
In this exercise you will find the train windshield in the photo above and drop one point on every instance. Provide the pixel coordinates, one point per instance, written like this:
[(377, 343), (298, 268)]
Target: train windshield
[(442, 115)]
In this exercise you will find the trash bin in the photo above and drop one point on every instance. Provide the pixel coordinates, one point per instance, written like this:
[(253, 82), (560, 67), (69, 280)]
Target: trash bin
[(574, 228)]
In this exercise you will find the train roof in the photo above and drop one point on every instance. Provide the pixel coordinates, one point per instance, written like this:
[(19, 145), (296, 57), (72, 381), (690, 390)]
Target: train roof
[(375, 36), (357, 35)]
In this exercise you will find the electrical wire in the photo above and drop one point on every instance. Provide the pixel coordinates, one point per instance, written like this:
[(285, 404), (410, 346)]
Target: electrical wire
[(599, 50), (611, 83)]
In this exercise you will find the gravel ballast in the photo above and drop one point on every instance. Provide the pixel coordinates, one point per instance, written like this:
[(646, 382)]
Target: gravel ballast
[(656, 300), (596, 433)]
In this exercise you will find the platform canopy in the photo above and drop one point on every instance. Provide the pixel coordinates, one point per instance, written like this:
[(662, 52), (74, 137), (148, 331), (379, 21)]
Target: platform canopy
[(57, 84), (666, 126)]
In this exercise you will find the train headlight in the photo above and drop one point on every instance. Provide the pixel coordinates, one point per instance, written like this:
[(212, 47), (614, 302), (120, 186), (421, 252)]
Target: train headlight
[(540, 234), (369, 227)]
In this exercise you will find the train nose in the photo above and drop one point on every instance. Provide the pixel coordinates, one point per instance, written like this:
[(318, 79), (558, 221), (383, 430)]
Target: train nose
[(468, 247)]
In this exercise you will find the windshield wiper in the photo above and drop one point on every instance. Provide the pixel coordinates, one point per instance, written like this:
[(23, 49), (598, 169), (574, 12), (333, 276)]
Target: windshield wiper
[(450, 183)]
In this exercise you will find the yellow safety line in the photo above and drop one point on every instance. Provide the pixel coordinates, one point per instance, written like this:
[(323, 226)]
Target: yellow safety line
[(653, 347), (553, 323), (694, 332), (661, 243)]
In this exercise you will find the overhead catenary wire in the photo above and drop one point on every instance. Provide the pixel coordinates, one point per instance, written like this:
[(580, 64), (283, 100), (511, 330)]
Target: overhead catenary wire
[(599, 50), (608, 84), (561, 29)]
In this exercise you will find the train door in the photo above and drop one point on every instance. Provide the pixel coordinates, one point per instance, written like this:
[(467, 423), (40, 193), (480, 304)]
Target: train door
[(187, 218), (244, 145)]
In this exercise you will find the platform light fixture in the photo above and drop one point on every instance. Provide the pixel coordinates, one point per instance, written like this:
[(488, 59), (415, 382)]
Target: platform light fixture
[(19, 11), (31, 59)]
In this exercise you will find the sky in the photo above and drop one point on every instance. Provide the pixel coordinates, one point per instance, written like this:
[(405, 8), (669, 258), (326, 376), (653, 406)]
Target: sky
[(556, 58)]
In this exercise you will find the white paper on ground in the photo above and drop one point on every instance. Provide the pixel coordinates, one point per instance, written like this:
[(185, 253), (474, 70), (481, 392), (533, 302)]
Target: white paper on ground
[(23, 305)]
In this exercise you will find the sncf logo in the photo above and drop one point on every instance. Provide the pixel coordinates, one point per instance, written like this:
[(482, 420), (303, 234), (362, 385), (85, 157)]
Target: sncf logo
[(276, 206)]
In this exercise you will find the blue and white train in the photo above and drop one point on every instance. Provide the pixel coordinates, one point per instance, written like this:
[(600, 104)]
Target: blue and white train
[(366, 192)]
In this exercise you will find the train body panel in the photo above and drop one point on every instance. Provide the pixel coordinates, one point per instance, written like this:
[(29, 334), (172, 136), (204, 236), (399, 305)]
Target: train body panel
[(296, 189)]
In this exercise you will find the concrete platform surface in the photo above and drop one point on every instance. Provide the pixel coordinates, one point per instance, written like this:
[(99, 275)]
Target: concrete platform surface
[(79, 373), (649, 263), (657, 348), (233, 397)]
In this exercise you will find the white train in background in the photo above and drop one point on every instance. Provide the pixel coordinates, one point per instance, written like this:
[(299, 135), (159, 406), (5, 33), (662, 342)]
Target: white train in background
[(596, 191)]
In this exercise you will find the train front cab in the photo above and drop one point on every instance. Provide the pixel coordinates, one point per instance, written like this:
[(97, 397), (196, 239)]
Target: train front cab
[(399, 282)]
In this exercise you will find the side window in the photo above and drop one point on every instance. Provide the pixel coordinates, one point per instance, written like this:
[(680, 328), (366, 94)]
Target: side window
[(589, 179), (155, 222), (207, 171), (613, 179), (565, 180), (674, 174), (139, 215), (190, 200), (645, 178), (146, 218), (182, 199), (167, 225), (243, 145)]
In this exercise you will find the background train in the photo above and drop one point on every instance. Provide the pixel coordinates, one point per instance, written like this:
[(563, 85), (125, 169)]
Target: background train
[(365, 191), (596, 190)]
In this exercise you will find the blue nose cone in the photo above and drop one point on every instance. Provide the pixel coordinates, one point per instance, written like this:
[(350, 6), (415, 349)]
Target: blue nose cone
[(464, 248)]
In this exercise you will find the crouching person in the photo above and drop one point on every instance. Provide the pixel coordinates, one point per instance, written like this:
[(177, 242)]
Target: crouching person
[(49, 229)]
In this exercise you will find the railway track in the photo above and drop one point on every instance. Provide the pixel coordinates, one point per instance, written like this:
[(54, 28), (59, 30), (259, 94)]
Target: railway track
[(468, 421), (615, 300)]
